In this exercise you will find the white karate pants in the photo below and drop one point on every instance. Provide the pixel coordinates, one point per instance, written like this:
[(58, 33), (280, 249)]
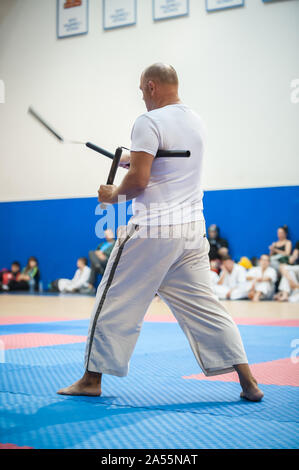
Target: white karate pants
[(171, 264)]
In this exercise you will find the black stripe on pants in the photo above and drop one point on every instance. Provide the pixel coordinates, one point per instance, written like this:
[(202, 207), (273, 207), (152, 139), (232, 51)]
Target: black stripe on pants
[(109, 282)]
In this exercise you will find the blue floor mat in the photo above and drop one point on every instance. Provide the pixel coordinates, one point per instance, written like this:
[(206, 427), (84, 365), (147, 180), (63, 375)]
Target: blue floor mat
[(76, 327), (153, 407), (144, 388), (47, 355), (66, 423), (275, 340)]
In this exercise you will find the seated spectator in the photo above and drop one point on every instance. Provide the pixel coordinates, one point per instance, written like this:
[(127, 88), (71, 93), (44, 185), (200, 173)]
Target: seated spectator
[(214, 276), (7, 275), (232, 281), (281, 249), (262, 280), (294, 258), (79, 283), (215, 265), (99, 257), (288, 288), (218, 246), (28, 279)]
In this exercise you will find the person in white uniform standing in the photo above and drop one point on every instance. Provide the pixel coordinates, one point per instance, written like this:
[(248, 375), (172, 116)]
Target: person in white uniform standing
[(164, 249)]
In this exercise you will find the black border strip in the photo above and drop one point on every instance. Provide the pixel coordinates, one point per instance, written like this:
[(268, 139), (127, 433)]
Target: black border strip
[(155, 457), (109, 282)]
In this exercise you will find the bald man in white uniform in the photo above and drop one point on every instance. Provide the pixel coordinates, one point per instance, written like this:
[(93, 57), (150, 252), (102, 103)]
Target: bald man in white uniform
[(164, 249)]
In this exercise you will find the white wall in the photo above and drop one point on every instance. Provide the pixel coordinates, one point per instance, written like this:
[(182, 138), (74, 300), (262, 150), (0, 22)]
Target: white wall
[(235, 69)]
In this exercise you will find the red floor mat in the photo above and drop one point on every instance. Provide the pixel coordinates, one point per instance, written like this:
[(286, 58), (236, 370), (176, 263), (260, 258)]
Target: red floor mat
[(279, 372), (35, 340)]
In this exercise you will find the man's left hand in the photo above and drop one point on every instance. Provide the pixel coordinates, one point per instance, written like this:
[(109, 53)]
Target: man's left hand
[(108, 193)]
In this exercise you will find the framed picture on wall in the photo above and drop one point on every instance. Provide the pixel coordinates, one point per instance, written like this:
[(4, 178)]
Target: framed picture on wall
[(213, 5), (163, 9), (72, 18), (119, 13)]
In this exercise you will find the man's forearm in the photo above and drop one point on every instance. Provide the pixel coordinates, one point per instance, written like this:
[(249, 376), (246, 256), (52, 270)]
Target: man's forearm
[(133, 183), (130, 186)]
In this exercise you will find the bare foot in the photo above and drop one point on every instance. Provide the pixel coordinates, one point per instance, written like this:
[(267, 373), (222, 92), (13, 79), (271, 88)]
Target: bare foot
[(89, 385), (257, 296), (252, 392), (251, 294), (277, 296), (284, 297)]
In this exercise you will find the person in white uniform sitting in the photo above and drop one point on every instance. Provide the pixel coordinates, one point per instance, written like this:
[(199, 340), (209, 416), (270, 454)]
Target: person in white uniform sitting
[(79, 283), (262, 280), (288, 288), (232, 282)]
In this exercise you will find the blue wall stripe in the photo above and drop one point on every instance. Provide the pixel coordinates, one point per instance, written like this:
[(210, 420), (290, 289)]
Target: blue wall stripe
[(60, 230)]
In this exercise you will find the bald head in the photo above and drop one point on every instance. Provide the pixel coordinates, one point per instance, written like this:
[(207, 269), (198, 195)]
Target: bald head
[(162, 73), (159, 85)]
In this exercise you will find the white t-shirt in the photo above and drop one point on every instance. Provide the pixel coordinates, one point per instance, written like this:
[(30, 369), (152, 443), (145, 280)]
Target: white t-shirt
[(173, 194)]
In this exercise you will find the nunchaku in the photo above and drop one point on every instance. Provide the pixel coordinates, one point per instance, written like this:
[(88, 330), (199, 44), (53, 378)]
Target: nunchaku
[(115, 157)]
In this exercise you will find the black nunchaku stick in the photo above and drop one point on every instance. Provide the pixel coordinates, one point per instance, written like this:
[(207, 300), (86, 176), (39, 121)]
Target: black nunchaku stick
[(160, 153)]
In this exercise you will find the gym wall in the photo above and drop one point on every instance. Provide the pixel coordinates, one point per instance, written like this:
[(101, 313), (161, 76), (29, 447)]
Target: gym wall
[(235, 69)]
